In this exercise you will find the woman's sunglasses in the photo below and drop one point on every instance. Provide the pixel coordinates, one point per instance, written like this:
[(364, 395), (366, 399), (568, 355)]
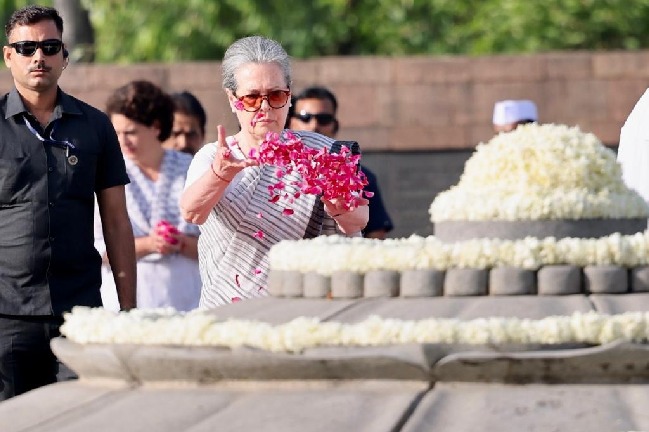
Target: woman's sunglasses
[(322, 119), (276, 99), (28, 48)]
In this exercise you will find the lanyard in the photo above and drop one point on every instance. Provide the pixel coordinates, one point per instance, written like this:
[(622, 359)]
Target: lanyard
[(67, 145)]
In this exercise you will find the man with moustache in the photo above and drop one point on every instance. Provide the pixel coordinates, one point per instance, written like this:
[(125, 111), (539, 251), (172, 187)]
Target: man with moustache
[(56, 154)]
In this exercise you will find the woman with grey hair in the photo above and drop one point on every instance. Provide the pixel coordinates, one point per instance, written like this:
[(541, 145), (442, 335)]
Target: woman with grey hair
[(227, 191)]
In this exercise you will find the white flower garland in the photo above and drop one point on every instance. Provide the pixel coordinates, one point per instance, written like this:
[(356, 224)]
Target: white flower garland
[(85, 325), (540, 172), (328, 254)]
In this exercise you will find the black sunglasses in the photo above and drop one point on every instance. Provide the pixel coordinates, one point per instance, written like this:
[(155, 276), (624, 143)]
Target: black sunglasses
[(28, 48), (322, 119)]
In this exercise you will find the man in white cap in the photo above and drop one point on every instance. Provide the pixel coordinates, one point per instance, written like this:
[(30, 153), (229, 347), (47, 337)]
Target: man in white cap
[(508, 114)]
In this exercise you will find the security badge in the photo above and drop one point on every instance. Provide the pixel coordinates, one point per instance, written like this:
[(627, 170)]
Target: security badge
[(72, 159)]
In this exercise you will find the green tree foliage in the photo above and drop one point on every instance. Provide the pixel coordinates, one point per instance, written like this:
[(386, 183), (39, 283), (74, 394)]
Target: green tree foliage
[(8, 6), (174, 30)]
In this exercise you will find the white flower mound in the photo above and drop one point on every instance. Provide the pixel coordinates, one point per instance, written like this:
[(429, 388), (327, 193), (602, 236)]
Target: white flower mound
[(329, 254), (540, 172), (85, 325)]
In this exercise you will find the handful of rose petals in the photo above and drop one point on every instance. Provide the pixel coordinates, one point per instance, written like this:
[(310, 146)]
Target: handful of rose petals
[(167, 231), (332, 175)]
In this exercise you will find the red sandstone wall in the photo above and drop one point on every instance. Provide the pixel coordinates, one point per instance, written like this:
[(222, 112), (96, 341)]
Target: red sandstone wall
[(417, 103)]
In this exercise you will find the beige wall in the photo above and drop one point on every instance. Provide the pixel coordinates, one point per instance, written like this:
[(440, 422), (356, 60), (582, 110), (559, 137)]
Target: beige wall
[(417, 103)]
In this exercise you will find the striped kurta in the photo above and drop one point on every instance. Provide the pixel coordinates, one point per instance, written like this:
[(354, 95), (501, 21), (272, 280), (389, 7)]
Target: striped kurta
[(233, 259)]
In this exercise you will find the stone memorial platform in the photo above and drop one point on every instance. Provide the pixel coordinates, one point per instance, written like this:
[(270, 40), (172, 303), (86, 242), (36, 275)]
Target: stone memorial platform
[(400, 387)]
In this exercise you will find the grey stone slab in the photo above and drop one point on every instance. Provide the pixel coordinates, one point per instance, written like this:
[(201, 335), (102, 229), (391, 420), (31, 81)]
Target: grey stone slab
[(620, 303), (559, 280), (209, 365), (533, 307), (316, 285), (455, 231), (146, 363), (466, 282), (277, 311), (639, 279), (141, 409), (421, 283), (282, 407), (610, 279), (381, 283), (512, 281), (531, 408), (43, 406), (352, 407), (617, 362), (100, 361)]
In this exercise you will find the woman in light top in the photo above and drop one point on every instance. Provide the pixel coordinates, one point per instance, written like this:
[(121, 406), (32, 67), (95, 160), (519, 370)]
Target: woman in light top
[(227, 191), (165, 244)]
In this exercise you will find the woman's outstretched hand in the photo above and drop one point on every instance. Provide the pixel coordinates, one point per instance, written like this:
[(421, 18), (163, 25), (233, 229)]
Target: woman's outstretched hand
[(349, 221)]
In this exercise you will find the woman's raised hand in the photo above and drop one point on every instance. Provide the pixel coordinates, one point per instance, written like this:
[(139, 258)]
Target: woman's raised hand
[(224, 166)]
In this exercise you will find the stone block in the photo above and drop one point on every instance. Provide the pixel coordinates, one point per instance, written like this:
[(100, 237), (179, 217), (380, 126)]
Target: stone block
[(346, 284), (100, 361), (381, 283), (606, 279), (639, 279), (276, 283), (465, 282), (422, 283), (292, 284), (512, 281), (316, 285), (559, 280)]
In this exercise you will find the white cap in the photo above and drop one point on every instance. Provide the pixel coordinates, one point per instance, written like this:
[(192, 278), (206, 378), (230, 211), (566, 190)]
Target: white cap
[(513, 111)]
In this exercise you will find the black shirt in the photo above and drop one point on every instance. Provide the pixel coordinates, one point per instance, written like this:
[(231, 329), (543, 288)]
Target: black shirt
[(379, 218), (48, 262)]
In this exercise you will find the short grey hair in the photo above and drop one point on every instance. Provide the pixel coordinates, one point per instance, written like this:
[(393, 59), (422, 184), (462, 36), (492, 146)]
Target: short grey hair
[(253, 49)]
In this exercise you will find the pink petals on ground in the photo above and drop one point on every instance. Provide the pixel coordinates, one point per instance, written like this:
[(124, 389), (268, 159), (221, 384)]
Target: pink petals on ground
[(259, 234)]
